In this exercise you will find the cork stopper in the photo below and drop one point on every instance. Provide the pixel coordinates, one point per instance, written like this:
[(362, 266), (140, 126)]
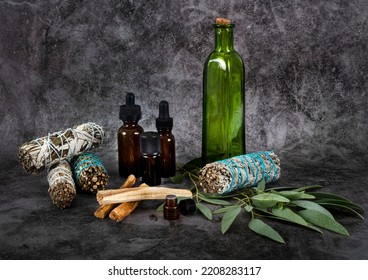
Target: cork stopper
[(223, 21)]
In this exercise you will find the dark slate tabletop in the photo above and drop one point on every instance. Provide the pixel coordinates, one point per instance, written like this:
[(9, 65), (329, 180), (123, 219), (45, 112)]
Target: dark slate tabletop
[(31, 227)]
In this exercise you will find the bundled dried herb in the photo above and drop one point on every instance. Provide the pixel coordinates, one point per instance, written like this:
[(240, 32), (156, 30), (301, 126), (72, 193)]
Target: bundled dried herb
[(239, 172), (303, 206), (42, 153), (61, 184), (89, 172)]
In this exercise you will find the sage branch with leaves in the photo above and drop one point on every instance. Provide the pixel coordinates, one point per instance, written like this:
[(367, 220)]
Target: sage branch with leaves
[(238, 186)]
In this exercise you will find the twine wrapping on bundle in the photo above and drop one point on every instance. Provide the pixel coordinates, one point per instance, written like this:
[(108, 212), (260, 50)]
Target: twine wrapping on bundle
[(225, 176), (61, 184), (89, 172), (44, 152)]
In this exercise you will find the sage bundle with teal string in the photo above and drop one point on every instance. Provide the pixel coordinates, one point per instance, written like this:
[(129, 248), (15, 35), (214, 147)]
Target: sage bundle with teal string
[(44, 152), (226, 176), (89, 172)]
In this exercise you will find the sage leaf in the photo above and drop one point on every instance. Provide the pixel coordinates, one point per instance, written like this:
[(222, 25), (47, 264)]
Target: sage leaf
[(306, 204), (215, 201), (261, 186), (225, 209), (248, 208), (321, 220), (260, 227), (177, 179), (205, 210), (229, 218), (265, 200), (288, 215)]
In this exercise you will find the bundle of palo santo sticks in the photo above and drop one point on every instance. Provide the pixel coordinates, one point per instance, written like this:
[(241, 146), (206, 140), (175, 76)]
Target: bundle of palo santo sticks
[(119, 203)]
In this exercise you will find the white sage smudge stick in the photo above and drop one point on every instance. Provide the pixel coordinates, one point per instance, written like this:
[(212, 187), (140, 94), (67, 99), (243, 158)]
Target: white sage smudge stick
[(61, 184), (89, 172), (225, 176), (42, 153)]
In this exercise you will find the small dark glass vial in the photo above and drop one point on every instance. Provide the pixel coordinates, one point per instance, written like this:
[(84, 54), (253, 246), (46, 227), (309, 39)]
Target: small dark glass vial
[(171, 208), (150, 158), (164, 125)]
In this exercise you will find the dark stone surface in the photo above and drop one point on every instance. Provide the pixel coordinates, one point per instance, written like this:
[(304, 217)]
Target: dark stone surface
[(32, 228), (67, 62)]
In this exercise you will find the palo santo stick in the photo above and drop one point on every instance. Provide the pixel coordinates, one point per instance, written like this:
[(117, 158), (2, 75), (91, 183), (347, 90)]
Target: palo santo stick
[(143, 193), (104, 210), (124, 209)]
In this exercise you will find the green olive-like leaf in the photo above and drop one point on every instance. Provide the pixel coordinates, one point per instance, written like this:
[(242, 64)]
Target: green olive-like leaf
[(260, 227), (225, 209), (215, 201), (291, 195), (177, 179), (342, 206), (321, 220), (307, 196), (204, 210), (306, 204), (290, 216), (352, 205), (265, 200), (229, 218), (261, 186), (160, 208), (248, 208)]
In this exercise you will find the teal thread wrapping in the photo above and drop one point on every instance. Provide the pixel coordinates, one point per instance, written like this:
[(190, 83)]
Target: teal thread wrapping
[(85, 161), (240, 172)]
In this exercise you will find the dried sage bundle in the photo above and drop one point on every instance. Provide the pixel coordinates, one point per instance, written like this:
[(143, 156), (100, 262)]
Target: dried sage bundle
[(239, 172), (89, 172), (42, 153), (61, 184)]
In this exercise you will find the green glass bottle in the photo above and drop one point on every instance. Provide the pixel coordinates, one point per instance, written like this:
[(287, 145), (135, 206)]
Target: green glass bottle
[(223, 123)]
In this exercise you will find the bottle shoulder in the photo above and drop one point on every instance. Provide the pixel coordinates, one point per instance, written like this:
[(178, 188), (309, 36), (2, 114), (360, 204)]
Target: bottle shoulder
[(224, 57), (131, 127)]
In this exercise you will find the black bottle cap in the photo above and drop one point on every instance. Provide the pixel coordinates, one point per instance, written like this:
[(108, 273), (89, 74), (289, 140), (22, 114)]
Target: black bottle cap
[(187, 206), (130, 111), (149, 143), (164, 121)]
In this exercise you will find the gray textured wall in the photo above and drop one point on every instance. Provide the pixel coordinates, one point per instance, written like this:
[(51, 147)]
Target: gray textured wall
[(67, 62)]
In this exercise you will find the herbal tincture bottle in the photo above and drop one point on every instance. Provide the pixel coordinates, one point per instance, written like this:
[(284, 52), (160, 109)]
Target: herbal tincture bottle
[(171, 208), (128, 138), (164, 124), (150, 158), (223, 122)]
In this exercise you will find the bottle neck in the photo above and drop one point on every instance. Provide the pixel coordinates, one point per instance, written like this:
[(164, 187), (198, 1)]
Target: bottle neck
[(224, 38), (130, 123), (164, 130)]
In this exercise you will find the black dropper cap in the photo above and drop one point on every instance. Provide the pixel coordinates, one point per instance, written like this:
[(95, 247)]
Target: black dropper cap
[(164, 121), (130, 111), (149, 143)]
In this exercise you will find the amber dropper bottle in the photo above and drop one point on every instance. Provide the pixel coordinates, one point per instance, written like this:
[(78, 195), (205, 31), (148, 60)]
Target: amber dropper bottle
[(150, 158), (164, 125), (128, 138)]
